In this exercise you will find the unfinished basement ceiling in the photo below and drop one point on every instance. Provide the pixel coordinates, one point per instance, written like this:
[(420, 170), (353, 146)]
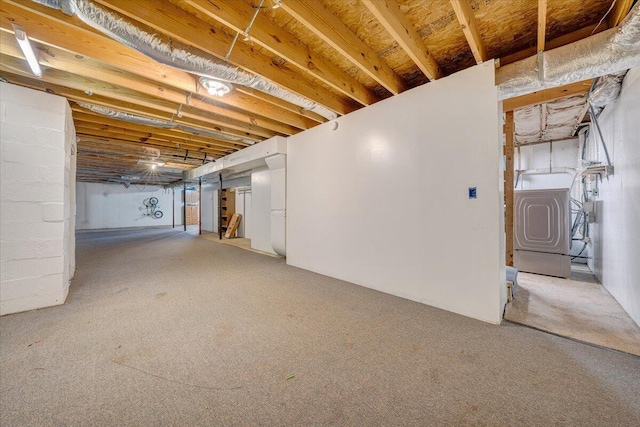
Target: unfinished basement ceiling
[(552, 121), (333, 55)]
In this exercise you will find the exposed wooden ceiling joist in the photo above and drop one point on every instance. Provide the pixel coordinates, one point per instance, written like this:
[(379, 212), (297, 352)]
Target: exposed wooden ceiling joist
[(340, 55), (546, 95), (144, 101), (54, 58), (542, 24), (557, 42), (318, 19), (395, 22), (143, 137), (57, 30), (620, 10), (178, 137), (284, 44), (75, 95), (467, 20), (179, 25)]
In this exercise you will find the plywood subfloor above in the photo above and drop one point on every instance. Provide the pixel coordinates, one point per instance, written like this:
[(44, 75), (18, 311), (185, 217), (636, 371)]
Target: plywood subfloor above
[(578, 308)]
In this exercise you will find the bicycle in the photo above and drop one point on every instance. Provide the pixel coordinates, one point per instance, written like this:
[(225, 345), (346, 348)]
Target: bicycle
[(151, 205)]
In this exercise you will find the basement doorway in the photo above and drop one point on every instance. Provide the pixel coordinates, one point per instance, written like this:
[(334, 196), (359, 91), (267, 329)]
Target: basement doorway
[(549, 216), (192, 206)]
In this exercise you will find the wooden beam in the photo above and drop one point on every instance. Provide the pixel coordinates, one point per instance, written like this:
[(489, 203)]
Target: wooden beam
[(80, 96), (64, 61), (143, 100), (136, 148), (274, 38), (467, 20), (324, 24), (102, 130), (557, 42), (183, 27), (279, 103), (508, 186), (546, 95), (52, 28), (542, 24), (620, 10), (388, 13), (180, 137)]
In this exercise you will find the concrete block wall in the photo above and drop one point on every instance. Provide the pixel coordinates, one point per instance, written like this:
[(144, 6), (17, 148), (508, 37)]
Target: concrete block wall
[(37, 163)]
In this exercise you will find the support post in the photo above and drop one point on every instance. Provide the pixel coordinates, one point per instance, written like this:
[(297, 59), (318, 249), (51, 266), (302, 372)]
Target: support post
[(200, 206), (173, 207), (184, 205), (220, 210), (508, 186)]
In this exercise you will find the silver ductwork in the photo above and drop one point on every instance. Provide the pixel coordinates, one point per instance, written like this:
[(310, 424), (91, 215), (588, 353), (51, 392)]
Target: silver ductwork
[(606, 89), (174, 56), (609, 52), (132, 118)]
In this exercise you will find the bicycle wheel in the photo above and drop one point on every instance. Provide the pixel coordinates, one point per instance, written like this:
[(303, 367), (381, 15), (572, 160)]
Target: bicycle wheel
[(157, 214), (153, 201)]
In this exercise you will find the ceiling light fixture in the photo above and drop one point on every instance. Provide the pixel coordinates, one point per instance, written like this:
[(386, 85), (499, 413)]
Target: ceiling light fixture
[(27, 50), (215, 87)]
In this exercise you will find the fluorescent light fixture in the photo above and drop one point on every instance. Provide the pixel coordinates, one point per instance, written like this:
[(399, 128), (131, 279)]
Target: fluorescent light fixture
[(27, 50), (215, 87)]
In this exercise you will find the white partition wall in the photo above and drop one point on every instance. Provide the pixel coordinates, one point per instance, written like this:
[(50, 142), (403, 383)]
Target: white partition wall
[(261, 209), (382, 201), (616, 232)]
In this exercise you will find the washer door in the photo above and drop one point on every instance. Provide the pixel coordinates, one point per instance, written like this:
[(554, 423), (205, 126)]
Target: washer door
[(542, 221)]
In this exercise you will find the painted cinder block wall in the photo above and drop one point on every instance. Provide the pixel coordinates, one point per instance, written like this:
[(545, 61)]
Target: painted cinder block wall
[(37, 164)]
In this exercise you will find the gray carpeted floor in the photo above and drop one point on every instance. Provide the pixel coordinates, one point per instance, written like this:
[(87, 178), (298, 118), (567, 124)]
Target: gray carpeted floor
[(166, 328)]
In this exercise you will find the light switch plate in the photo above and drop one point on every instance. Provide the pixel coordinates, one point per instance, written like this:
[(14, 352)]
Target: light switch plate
[(473, 193)]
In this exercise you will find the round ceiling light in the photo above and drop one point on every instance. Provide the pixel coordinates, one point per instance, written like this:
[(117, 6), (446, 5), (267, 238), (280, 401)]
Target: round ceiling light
[(215, 87)]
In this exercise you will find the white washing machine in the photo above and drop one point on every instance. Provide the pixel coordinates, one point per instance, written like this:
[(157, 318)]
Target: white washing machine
[(542, 231)]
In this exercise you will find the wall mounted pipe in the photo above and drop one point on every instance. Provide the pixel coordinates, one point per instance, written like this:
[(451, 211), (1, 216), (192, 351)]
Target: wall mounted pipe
[(609, 52)]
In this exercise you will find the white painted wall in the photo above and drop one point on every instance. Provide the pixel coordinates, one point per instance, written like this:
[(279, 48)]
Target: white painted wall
[(101, 206), (37, 163), (243, 207), (178, 205), (616, 234), (261, 209), (557, 156), (382, 201)]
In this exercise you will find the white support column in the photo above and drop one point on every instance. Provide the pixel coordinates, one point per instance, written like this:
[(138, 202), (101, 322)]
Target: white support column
[(278, 167)]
